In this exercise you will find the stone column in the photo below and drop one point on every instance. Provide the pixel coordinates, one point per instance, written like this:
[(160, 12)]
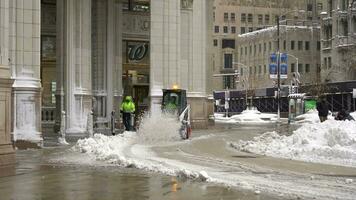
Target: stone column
[(117, 67), (99, 61), (24, 57), (74, 62), (165, 48), (115, 54), (6, 151), (195, 43)]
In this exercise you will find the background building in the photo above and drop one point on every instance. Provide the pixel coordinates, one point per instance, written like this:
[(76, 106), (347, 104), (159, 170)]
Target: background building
[(299, 42), (338, 36), (234, 17)]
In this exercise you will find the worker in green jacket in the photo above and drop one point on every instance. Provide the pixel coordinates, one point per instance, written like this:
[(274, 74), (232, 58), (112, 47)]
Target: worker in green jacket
[(171, 106), (127, 109)]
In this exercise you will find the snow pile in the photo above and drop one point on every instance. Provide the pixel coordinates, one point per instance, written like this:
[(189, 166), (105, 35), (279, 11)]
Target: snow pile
[(309, 117), (330, 142), (250, 116), (118, 149)]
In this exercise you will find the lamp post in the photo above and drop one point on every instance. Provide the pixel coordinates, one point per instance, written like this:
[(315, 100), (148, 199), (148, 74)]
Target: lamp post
[(297, 75), (246, 80), (278, 65)]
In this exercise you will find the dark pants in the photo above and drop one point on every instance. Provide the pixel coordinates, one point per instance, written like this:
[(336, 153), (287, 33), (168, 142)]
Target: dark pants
[(323, 118), (126, 118)]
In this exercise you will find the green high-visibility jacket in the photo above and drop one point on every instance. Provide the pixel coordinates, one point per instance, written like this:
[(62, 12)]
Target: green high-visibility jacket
[(128, 106)]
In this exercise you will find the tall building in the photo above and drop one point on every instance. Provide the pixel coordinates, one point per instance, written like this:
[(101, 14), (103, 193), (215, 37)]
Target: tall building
[(338, 36), (238, 17), (300, 43), (82, 56)]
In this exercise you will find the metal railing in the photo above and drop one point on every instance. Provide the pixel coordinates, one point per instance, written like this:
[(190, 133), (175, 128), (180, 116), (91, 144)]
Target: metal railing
[(48, 114)]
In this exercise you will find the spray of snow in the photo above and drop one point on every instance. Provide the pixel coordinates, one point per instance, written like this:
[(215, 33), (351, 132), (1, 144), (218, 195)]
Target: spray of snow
[(132, 150), (161, 128), (330, 142)]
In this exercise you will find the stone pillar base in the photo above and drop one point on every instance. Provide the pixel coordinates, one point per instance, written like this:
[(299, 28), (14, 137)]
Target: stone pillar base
[(199, 112), (7, 153)]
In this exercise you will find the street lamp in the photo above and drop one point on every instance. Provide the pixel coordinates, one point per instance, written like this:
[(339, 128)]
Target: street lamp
[(296, 75), (278, 65), (246, 79)]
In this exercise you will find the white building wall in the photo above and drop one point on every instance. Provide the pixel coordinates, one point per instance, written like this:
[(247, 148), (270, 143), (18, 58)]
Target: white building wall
[(24, 58), (6, 150)]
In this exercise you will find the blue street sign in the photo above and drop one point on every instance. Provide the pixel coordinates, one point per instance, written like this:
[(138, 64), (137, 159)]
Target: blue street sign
[(284, 66), (273, 66)]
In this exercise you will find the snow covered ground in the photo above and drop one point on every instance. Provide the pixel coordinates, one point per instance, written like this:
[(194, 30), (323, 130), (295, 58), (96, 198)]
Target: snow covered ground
[(210, 157), (250, 116), (330, 142)]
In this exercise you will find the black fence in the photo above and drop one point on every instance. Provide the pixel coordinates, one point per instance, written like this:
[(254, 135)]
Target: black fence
[(338, 96)]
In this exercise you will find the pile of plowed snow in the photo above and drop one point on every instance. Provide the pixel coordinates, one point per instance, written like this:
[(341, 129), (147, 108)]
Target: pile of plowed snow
[(330, 142)]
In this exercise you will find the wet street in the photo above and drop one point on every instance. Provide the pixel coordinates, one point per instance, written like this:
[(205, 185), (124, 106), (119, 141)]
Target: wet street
[(35, 178), (232, 175)]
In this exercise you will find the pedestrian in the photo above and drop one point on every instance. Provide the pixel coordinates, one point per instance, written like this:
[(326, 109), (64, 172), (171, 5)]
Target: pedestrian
[(323, 109), (344, 115), (127, 109)]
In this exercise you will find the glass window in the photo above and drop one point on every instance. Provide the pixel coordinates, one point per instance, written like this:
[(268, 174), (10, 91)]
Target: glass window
[(300, 68), (228, 61), (264, 69), (284, 45), (259, 69), (225, 29), (318, 45), (266, 19), (215, 42), (241, 50), (217, 29), (292, 67), (233, 29), (250, 18), (243, 30), (264, 47), (292, 45), (228, 83), (260, 19), (232, 17), (243, 17), (226, 17), (309, 7), (307, 68), (259, 48), (300, 45), (269, 46), (320, 6), (307, 47), (250, 29)]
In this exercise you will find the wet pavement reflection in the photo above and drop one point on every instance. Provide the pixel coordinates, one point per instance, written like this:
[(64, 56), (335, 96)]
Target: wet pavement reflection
[(35, 178)]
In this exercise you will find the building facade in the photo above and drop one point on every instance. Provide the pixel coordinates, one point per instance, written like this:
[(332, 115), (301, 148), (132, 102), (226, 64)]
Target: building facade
[(338, 36), (235, 17), (301, 43), (20, 85), (80, 57)]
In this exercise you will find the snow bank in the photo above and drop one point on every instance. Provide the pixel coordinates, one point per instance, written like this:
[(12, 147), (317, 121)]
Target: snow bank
[(331, 142), (118, 149), (250, 116)]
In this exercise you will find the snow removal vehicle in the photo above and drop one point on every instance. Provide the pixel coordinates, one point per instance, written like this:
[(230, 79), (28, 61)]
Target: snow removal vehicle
[(174, 102)]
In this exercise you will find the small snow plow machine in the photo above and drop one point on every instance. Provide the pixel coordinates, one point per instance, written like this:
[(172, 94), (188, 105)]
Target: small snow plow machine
[(174, 102)]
